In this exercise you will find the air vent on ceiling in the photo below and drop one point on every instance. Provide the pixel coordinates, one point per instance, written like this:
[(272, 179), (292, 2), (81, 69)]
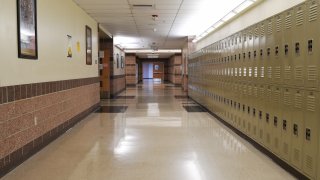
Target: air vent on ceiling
[(142, 6)]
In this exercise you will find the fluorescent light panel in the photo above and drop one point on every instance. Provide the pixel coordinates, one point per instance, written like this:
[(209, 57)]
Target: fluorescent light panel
[(243, 6)]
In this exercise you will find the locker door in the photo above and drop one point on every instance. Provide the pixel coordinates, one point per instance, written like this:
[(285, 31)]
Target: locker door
[(254, 113), (268, 118), (312, 43), (250, 53), (286, 124), (244, 58), (311, 133), (270, 45), (299, 44), (262, 52), (260, 112), (297, 129), (256, 57), (288, 48), (249, 118), (276, 63), (276, 119)]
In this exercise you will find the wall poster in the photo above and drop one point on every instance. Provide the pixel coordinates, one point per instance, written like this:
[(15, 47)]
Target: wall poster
[(27, 29), (88, 45)]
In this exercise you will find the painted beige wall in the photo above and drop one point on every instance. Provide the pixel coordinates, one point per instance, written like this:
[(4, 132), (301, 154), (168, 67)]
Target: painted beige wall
[(265, 9), (56, 20)]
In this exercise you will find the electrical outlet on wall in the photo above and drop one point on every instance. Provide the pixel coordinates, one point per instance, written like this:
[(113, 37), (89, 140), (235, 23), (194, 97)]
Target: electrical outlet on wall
[(35, 121)]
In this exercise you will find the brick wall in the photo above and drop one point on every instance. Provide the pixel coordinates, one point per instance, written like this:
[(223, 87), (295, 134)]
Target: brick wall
[(35, 114)]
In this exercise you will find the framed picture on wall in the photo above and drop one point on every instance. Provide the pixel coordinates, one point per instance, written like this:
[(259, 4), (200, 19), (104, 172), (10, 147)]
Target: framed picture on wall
[(156, 67), (122, 62), (117, 60), (88, 45), (27, 29)]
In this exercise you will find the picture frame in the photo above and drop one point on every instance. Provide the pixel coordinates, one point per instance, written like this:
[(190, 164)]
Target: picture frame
[(122, 62), (117, 56), (27, 29), (88, 45)]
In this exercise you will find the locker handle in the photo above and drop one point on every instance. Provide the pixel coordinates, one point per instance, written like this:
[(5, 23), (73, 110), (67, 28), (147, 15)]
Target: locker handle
[(275, 121), (268, 51), (255, 54), (284, 126), (261, 52), (254, 112), (310, 46), (267, 117), (277, 51), (286, 49), (297, 48), (308, 134), (249, 55), (295, 129)]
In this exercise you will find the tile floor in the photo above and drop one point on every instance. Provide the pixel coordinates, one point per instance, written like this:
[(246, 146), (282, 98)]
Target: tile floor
[(154, 138)]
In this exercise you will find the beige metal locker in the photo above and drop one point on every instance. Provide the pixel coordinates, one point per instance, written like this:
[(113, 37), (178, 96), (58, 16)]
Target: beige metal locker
[(311, 132), (288, 48), (270, 45), (299, 43), (261, 113), (256, 49), (276, 62), (312, 43), (286, 124), (297, 128), (276, 119), (268, 118), (262, 52), (254, 112)]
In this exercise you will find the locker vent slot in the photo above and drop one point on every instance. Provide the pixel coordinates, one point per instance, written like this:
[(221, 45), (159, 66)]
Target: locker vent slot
[(276, 96), (296, 155), (250, 72), (298, 101), (313, 12), (288, 22), (278, 25), (255, 71), (309, 162), (244, 72), (298, 73), (269, 75), (299, 18), (262, 72), (312, 73), (287, 72), (262, 31), (255, 92), (285, 148), (249, 90), (311, 103), (287, 99), (256, 32), (269, 28), (277, 72)]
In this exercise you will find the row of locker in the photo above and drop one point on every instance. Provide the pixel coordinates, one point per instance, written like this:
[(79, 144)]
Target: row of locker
[(283, 120)]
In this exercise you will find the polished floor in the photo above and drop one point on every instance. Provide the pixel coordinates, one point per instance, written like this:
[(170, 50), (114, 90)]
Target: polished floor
[(151, 137)]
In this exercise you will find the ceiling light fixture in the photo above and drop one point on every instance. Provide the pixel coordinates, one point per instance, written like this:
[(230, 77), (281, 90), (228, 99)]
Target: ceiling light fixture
[(243, 6)]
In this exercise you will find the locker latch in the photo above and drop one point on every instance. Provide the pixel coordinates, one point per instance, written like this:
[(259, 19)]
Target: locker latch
[(295, 129), (255, 54), (248, 109), (244, 108), (260, 114), (297, 48), (267, 117), (268, 51), (284, 125), (310, 46), (275, 121), (249, 55), (261, 52), (277, 51), (286, 49), (308, 134), (254, 112), (244, 55)]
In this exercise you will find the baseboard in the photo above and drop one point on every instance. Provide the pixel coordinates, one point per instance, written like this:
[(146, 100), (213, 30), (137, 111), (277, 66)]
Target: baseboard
[(13, 160)]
